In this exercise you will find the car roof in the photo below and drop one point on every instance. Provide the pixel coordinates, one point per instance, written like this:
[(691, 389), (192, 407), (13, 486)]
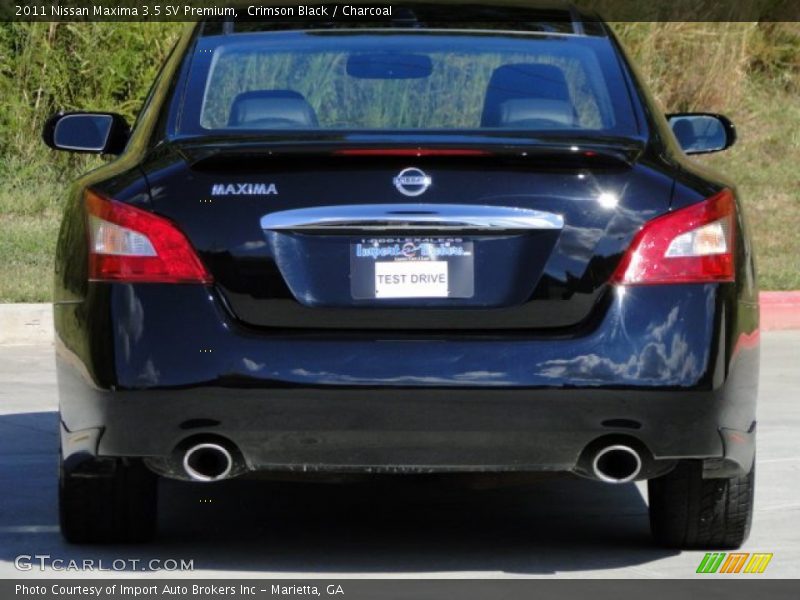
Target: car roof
[(554, 17)]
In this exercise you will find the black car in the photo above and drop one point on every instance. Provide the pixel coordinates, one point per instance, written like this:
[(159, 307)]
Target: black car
[(405, 245)]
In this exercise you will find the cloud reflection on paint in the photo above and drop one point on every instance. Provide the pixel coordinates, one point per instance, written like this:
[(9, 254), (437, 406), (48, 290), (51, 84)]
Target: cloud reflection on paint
[(666, 360)]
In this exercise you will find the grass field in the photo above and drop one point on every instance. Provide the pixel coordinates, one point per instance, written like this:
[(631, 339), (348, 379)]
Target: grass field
[(764, 164), (749, 71)]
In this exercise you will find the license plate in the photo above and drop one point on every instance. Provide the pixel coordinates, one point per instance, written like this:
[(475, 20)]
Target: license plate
[(384, 269)]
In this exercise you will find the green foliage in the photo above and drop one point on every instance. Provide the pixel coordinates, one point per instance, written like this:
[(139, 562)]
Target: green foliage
[(47, 67), (750, 71), (708, 66)]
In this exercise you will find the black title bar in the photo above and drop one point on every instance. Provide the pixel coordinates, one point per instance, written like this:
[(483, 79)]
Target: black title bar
[(378, 11), (406, 589)]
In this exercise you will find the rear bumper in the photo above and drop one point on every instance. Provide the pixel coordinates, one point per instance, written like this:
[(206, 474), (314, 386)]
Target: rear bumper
[(423, 431), (673, 369)]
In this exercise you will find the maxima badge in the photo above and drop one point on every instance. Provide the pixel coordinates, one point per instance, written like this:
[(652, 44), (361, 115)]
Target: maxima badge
[(412, 182)]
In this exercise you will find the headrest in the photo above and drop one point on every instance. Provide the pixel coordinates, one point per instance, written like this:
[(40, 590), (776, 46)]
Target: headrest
[(267, 109), (522, 81), (536, 113)]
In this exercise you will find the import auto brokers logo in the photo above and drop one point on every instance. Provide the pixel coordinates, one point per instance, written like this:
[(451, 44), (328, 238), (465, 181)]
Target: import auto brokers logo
[(244, 189), (734, 562), (412, 182)]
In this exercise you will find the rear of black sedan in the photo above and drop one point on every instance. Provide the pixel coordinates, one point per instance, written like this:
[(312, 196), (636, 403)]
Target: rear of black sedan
[(385, 249)]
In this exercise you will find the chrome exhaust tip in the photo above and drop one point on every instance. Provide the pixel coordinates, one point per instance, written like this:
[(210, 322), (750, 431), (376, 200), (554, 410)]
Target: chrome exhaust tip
[(207, 462), (617, 464)]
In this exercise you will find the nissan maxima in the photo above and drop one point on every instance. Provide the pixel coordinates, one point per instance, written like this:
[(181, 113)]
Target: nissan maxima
[(404, 246)]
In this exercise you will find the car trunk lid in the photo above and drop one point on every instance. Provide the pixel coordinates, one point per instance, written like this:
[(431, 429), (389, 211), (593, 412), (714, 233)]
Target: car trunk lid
[(455, 235)]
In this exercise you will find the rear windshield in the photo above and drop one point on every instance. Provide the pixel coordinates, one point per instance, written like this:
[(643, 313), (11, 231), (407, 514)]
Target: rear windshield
[(389, 81)]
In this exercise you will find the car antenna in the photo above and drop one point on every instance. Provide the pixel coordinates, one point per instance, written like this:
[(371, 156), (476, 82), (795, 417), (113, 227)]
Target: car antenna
[(577, 21)]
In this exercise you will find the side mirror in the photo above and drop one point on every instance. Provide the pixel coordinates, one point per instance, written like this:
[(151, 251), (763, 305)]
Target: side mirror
[(701, 133), (95, 133)]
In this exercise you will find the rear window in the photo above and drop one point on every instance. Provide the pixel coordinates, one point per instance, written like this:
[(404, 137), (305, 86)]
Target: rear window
[(425, 81)]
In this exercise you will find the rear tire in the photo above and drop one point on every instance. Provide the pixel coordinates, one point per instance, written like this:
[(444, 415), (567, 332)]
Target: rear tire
[(114, 500), (687, 511)]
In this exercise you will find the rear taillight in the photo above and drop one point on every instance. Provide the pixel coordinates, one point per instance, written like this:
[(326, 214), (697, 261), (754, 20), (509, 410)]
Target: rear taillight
[(691, 245), (129, 244)]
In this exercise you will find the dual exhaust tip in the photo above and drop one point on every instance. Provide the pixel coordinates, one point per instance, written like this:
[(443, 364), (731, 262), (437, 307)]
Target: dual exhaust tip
[(208, 462), (617, 463)]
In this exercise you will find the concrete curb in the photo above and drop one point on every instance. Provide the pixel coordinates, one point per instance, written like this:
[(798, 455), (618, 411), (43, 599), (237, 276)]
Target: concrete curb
[(28, 324), (780, 310), (22, 324)]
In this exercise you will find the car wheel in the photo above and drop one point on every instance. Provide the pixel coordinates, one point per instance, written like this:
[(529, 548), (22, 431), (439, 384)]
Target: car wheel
[(687, 511), (114, 500)]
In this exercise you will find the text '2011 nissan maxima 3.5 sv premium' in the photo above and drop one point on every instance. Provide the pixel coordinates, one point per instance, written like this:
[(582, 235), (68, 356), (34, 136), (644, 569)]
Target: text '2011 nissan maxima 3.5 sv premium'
[(372, 247)]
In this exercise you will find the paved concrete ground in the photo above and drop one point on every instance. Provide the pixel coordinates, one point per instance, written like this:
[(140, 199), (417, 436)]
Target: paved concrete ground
[(562, 526)]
